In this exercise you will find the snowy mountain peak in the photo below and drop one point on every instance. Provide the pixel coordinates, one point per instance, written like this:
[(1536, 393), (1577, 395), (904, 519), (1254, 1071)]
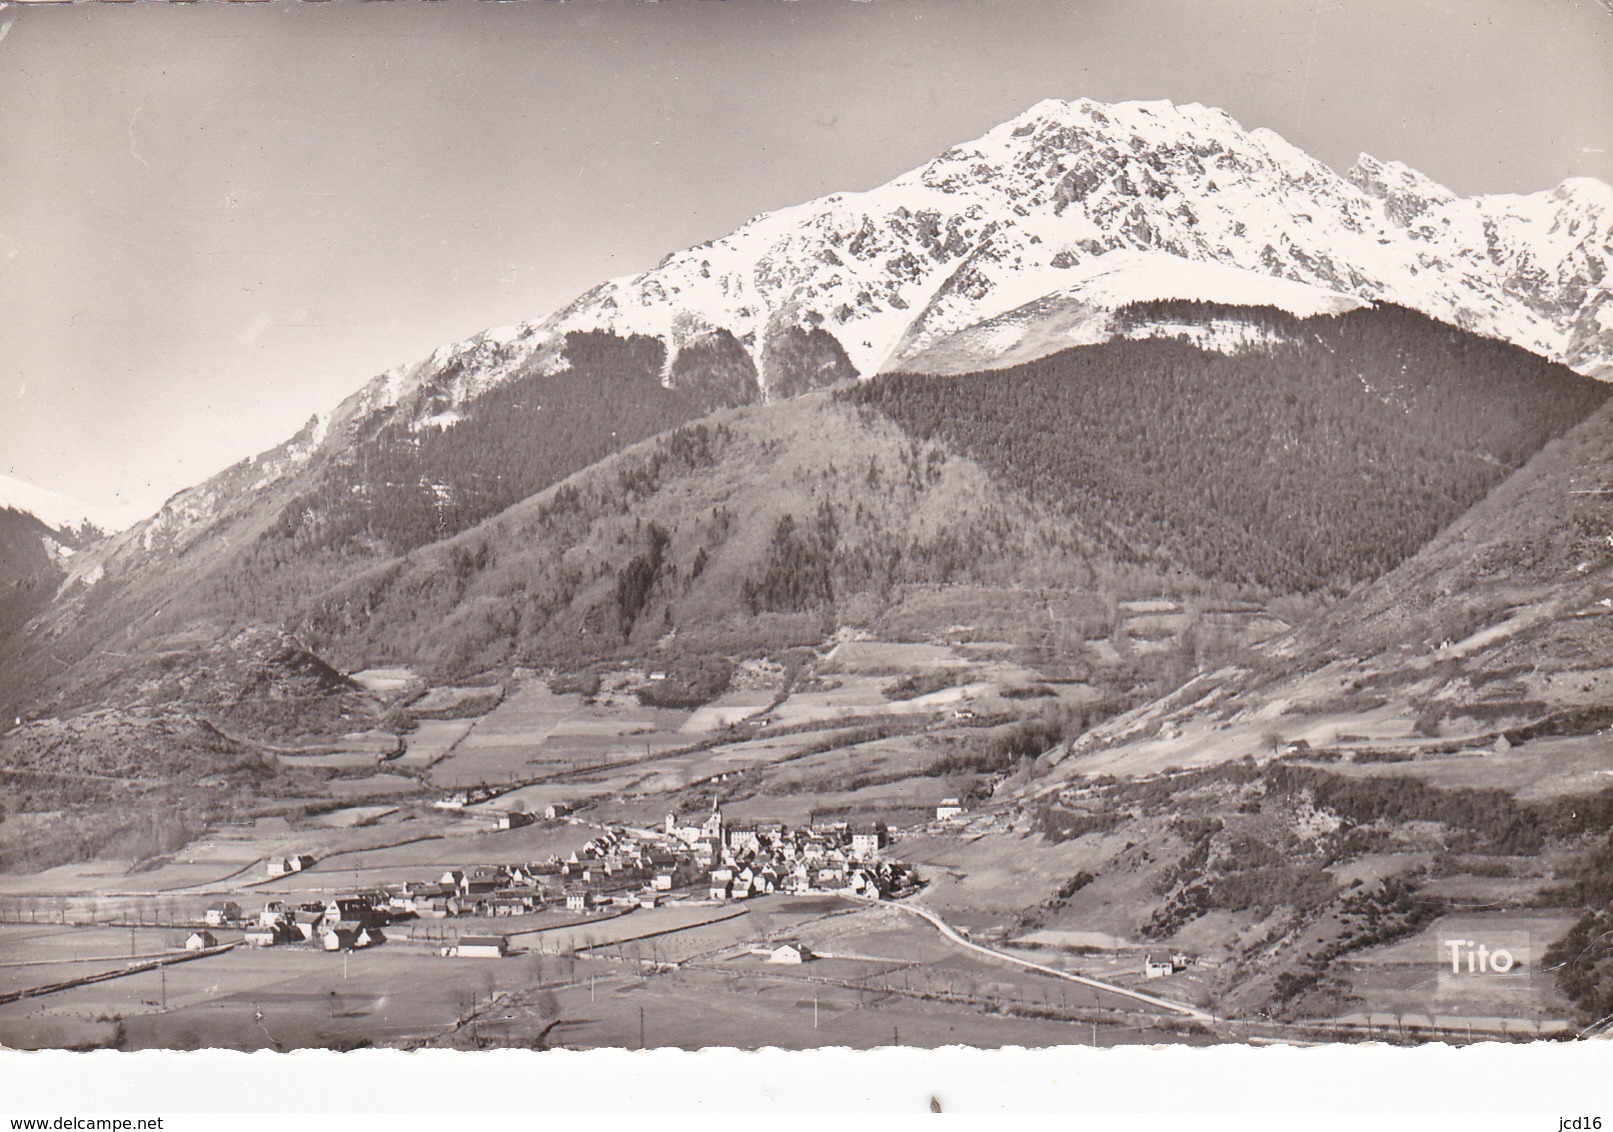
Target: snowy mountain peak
[(1405, 192), (1083, 203), (1028, 208), (53, 508)]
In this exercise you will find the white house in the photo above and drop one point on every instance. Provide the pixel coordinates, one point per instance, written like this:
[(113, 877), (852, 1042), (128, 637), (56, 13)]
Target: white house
[(308, 923), (200, 941), (343, 933), (789, 952), (222, 912), (295, 863), (868, 840), (1153, 969), (479, 947), (948, 809)]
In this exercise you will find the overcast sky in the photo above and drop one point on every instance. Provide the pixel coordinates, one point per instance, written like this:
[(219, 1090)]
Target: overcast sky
[(217, 219)]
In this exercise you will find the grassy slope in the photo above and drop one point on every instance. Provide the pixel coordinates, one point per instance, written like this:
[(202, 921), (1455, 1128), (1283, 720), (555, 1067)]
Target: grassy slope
[(1498, 623), (541, 580)]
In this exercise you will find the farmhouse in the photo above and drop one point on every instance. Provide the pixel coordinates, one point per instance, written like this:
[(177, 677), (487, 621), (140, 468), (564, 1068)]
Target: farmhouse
[(514, 819), (348, 908), (555, 811), (789, 952), (1154, 969), (296, 863), (344, 934), (308, 923), (479, 947), (200, 941), (948, 809), (222, 912), (261, 937)]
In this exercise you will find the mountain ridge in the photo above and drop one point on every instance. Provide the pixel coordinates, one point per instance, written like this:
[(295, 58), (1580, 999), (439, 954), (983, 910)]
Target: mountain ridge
[(877, 277)]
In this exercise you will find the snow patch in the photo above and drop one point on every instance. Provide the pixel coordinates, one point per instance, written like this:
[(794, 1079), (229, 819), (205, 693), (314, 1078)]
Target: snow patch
[(55, 509)]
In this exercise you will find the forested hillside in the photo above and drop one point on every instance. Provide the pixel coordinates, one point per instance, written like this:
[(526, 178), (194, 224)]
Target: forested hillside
[(754, 530), (1319, 460), (406, 487), (28, 575)]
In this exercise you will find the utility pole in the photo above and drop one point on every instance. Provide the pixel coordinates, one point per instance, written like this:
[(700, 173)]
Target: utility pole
[(814, 1010), (162, 974), (641, 1027)]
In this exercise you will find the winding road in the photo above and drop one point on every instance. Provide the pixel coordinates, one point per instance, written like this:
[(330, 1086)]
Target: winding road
[(951, 934)]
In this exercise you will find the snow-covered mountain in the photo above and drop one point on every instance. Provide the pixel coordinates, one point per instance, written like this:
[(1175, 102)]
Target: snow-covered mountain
[(1037, 203), (55, 509), (1023, 241)]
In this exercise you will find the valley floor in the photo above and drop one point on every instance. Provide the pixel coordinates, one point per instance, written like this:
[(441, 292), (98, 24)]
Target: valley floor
[(1048, 898)]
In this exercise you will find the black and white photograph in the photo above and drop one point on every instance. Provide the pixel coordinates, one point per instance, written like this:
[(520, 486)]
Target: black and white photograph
[(806, 525)]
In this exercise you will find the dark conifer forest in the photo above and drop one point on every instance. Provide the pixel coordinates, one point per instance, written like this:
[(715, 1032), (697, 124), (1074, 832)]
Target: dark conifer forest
[(407, 487), (1318, 461)]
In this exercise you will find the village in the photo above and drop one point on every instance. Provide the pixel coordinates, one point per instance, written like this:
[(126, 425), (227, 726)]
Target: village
[(701, 860)]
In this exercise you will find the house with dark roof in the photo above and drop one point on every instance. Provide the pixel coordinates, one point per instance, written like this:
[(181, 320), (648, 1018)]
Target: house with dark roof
[(222, 912)]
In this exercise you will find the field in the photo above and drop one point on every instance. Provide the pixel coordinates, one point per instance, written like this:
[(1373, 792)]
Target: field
[(867, 729), (535, 732), (1540, 770), (755, 1006), (430, 741), (279, 998), (1410, 981), (884, 979)]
